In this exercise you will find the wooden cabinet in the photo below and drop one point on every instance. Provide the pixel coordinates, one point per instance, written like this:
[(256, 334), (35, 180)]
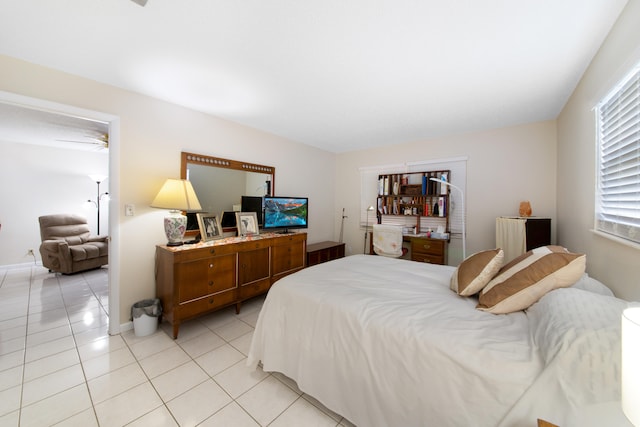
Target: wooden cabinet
[(538, 232), (192, 280), (318, 253), (428, 250), (288, 255), (517, 235), (254, 272)]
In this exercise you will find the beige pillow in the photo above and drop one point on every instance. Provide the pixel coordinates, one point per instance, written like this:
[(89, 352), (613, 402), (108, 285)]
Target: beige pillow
[(476, 271), (527, 278)]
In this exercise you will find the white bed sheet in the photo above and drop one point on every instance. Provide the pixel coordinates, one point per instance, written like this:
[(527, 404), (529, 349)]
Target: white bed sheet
[(385, 342)]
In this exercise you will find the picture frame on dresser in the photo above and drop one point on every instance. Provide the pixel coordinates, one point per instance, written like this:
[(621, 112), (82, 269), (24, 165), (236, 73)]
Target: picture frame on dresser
[(247, 223), (209, 225)]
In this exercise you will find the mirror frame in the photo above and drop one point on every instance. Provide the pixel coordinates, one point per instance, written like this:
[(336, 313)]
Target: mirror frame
[(219, 162)]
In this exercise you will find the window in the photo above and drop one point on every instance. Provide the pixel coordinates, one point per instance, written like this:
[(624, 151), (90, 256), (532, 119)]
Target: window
[(618, 180), (369, 190)]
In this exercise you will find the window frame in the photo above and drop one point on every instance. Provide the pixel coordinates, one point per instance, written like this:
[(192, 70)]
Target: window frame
[(617, 193)]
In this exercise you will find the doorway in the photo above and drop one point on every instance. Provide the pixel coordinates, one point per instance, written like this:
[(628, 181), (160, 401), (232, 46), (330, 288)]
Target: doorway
[(113, 131)]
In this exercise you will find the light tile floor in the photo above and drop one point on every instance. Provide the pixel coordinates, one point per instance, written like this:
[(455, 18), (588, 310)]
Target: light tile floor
[(58, 365)]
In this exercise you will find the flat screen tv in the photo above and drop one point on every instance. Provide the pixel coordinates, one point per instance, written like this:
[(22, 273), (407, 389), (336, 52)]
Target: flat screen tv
[(252, 204), (284, 213)]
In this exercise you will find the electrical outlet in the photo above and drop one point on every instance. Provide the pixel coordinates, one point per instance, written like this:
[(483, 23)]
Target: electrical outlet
[(129, 210), (30, 252)]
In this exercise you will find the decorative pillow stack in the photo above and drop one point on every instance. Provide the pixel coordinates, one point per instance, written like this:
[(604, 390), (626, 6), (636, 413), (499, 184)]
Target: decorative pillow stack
[(521, 282)]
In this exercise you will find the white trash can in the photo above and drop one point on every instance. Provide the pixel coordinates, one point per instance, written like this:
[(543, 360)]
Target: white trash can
[(145, 316)]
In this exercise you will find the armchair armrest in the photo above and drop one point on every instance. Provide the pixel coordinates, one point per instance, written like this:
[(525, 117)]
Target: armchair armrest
[(56, 255), (55, 246), (98, 238)]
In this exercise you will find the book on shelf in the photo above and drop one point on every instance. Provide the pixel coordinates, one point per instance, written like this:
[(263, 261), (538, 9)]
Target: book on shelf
[(441, 206), (443, 177)]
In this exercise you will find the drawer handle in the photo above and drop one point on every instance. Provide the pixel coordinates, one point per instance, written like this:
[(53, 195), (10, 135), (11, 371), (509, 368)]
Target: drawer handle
[(210, 300), (211, 265), (426, 246), (212, 251), (211, 283)]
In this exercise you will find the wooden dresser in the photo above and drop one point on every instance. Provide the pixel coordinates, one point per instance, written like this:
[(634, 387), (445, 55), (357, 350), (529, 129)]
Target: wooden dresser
[(192, 280)]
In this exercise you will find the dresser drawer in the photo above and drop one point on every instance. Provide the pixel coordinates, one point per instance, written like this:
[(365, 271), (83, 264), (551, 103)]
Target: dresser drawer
[(427, 247), (204, 252), (253, 265), (253, 289), (205, 276), (430, 259), (288, 257), (428, 250), (210, 302)]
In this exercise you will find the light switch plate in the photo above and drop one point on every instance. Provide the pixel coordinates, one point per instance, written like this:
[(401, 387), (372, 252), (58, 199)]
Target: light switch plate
[(129, 210)]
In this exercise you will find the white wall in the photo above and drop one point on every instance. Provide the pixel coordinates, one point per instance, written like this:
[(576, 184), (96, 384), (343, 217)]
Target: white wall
[(504, 167), (40, 180), (152, 135), (612, 263)]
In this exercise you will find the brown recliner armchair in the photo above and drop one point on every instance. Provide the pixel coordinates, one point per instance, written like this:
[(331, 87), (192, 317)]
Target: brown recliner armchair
[(68, 246)]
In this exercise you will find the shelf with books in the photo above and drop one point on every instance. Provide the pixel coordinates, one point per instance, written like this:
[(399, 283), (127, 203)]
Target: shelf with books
[(416, 196)]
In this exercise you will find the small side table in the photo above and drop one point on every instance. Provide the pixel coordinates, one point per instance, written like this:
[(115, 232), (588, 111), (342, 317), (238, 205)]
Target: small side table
[(318, 253)]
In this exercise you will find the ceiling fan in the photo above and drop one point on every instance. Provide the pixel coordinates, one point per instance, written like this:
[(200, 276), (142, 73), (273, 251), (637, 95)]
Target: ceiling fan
[(101, 141)]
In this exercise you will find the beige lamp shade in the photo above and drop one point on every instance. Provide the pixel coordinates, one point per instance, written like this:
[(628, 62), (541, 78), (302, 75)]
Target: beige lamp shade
[(177, 194)]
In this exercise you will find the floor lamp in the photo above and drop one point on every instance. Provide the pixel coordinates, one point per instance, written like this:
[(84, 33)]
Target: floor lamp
[(98, 179), (464, 239), (366, 230)]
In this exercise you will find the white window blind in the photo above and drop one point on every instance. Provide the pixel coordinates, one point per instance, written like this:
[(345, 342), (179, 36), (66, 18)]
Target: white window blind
[(618, 181), (369, 191)]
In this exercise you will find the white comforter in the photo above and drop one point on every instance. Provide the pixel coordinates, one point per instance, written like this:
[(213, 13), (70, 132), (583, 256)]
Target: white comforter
[(384, 342)]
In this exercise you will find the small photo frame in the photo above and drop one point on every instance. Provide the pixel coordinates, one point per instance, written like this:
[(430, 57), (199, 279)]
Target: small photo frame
[(247, 223), (209, 225)]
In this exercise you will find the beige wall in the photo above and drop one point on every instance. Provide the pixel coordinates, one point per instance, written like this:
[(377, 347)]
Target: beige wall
[(504, 167), (152, 135), (39, 180), (613, 263)]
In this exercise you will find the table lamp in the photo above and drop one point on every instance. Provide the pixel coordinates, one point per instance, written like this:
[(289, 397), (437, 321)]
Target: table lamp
[(177, 195)]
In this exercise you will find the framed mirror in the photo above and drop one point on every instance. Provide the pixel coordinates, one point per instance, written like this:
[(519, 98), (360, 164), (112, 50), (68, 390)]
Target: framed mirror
[(220, 183)]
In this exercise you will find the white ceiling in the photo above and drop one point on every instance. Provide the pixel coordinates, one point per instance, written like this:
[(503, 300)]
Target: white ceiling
[(341, 75)]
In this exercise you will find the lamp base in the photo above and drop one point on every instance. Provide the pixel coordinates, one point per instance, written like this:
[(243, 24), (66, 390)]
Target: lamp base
[(175, 224)]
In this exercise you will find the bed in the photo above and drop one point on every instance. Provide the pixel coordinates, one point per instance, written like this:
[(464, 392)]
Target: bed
[(386, 342)]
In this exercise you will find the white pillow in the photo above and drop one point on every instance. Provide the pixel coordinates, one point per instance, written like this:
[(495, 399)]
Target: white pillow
[(590, 284), (578, 335), (565, 315)]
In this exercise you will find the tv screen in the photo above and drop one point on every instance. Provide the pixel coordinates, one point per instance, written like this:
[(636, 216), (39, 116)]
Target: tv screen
[(285, 212), (252, 204)]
